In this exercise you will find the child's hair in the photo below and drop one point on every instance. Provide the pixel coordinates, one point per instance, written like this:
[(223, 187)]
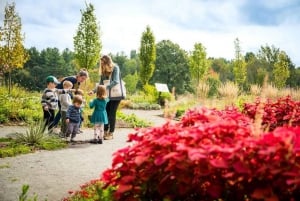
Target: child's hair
[(101, 92), (67, 84), (77, 99)]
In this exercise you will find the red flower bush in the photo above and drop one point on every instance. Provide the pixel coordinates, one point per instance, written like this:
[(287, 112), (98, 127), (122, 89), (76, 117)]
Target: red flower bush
[(283, 112), (210, 155)]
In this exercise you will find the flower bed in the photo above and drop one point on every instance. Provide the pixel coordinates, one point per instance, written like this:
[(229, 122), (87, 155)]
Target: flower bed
[(210, 155)]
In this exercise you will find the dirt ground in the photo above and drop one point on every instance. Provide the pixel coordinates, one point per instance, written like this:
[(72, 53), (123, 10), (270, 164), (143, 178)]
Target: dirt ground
[(51, 174)]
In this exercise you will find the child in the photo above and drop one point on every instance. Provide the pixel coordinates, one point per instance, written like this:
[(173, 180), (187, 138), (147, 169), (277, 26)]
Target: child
[(80, 92), (65, 101), (73, 117), (50, 101), (99, 116)]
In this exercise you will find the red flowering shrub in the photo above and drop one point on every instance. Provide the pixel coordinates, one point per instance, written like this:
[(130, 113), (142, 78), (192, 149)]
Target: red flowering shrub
[(209, 154), (283, 112)]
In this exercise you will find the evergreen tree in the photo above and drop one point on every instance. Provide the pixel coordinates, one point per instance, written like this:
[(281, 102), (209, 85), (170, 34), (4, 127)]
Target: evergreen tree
[(198, 63), (239, 68), (147, 56), (87, 44)]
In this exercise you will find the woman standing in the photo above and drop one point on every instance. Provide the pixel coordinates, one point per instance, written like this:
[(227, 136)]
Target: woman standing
[(109, 76)]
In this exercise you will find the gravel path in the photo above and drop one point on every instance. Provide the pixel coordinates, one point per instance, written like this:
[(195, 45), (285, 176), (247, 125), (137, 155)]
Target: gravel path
[(51, 174)]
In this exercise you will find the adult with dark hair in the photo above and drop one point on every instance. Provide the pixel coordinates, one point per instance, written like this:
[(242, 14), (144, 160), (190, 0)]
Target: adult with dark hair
[(109, 76), (81, 76)]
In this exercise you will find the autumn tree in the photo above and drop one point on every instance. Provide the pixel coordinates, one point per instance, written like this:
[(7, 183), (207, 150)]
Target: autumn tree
[(87, 43), (239, 68), (198, 63), (12, 52), (147, 56)]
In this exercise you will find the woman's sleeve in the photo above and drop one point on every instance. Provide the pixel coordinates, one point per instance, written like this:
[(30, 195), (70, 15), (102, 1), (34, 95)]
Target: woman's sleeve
[(115, 77)]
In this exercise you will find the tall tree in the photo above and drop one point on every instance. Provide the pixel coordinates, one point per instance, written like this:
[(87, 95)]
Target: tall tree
[(120, 59), (12, 52), (239, 68), (147, 56), (87, 43), (281, 70), (198, 63), (172, 67), (223, 67)]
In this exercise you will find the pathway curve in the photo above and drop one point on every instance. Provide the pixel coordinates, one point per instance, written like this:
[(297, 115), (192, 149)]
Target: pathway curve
[(51, 174)]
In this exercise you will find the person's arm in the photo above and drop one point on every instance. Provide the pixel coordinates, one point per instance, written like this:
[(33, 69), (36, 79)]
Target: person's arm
[(92, 103), (64, 91), (95, 89), (115, 77)]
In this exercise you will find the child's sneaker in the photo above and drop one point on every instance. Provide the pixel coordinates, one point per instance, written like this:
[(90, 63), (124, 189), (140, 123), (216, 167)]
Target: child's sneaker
[(94, 141), (100, 141)]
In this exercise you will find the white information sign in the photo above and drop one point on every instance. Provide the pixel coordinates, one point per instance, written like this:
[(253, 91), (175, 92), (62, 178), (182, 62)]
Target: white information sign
[(161, 87)]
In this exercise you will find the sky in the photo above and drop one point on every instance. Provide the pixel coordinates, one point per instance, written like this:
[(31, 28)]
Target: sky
[(213, 23)]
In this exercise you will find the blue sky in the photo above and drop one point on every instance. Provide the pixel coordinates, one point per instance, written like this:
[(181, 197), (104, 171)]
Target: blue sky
[(214, 23)]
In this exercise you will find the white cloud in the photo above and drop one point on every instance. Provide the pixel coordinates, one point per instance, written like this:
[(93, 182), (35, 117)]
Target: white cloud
[(214, 23)]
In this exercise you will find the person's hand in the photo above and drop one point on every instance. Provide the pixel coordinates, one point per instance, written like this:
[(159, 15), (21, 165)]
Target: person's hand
[(79, 91), (90, 93)]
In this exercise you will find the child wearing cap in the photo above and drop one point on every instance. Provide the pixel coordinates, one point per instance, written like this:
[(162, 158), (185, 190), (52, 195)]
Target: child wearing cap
[(50, 100)]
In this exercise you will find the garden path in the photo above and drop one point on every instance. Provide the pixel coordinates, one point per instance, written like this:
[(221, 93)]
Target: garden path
[(51, 174)]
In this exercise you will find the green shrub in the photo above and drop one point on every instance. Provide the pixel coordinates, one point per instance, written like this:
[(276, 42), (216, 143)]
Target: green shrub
[(163, 97), (52, 142), (12, 150), (144, 106), (133, 120), (24, 194), (33, 136), (19, 105)]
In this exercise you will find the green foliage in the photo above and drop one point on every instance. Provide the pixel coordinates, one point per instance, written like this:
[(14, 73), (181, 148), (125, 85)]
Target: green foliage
[(36, 136), (19, 105), (24, 194), (198, 63), (147, 56), (93, 191), (239, 69), (87, 44), (41, 64), (33, 136), (10, 148), (131, 82), (172, 67), (133, 120), (144, 106), (150, 90), (213, 86), (163, 97), (52, 142), (281, 70)]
